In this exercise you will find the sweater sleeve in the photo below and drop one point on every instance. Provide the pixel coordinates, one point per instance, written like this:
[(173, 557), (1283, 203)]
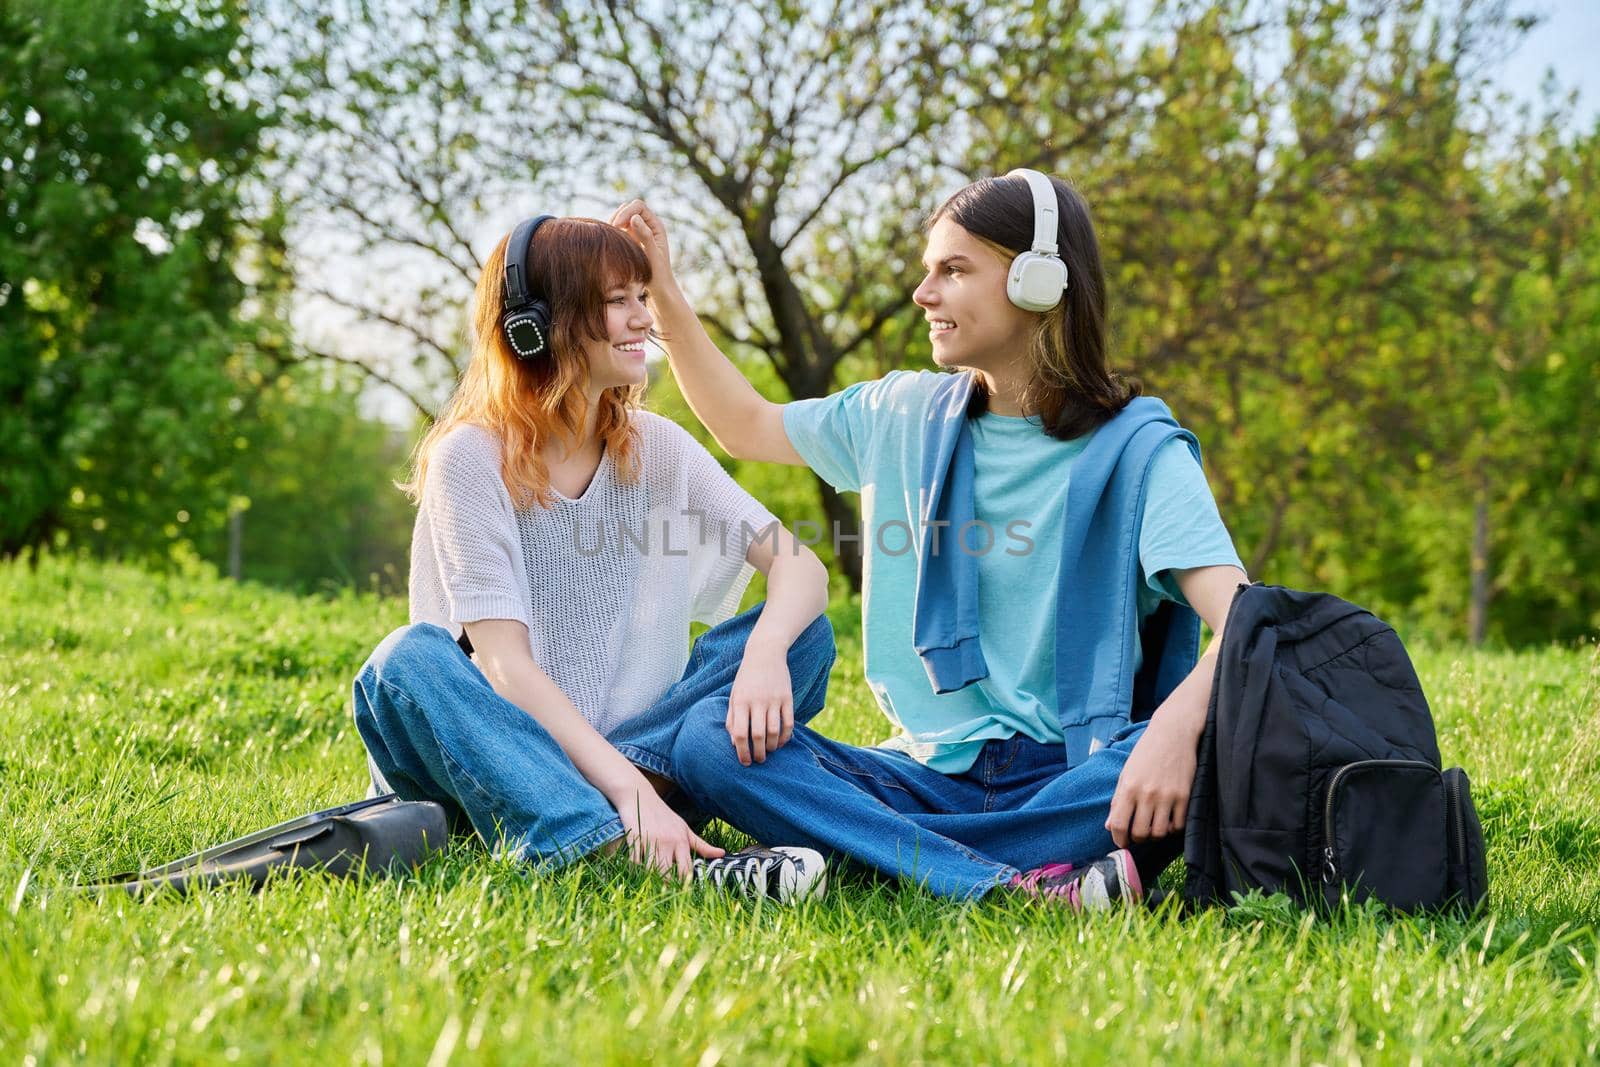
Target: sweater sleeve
[(474, 529), (731, 520)]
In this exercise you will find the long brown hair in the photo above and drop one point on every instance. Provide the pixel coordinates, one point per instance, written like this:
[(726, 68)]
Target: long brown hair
[(1071, 387), (571, 263)]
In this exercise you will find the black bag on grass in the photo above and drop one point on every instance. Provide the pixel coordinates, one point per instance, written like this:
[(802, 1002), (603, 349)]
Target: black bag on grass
[(1319, 771), (370, 836)]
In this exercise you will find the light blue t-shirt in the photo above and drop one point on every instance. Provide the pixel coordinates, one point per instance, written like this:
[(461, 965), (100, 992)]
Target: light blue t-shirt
[(868, 439)]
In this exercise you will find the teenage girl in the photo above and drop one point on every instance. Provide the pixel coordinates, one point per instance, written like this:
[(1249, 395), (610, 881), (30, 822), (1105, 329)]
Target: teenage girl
[(565, 539)]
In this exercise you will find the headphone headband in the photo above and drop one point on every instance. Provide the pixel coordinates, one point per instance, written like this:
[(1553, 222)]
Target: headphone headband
[(525, 322), (515, 288), (1044, 209)]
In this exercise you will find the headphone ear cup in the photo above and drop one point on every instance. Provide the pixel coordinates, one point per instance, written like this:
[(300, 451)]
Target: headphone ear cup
[(1036, 281), (527, 330)]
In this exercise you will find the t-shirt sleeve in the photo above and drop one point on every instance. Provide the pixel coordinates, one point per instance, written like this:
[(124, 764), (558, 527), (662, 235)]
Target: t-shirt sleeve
[(834, 433), (474, 529), (1182, 527), (730, 521)]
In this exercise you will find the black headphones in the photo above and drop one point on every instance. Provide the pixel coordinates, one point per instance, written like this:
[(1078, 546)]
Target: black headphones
[(526, 319)]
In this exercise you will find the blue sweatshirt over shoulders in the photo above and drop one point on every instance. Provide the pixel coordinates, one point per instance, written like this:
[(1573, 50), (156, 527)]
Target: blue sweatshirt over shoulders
[(1007, 573)]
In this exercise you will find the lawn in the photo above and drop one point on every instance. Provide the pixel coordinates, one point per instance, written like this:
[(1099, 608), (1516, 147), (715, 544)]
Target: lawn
[(144, 717)]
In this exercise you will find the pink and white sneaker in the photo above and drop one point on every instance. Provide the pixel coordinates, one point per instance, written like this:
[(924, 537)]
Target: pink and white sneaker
[(1101, 885)]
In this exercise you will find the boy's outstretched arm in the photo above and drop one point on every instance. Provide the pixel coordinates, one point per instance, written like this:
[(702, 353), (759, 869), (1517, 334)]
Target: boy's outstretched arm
[(744, 423)]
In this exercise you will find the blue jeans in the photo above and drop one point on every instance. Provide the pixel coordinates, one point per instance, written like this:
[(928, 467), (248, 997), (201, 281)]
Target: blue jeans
[(435, 729), (1018, 807)]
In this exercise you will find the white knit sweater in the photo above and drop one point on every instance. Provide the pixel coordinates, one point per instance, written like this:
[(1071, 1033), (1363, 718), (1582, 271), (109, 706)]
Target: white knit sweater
[(607, 583)]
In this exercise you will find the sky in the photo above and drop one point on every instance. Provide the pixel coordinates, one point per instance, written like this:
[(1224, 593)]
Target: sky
[(1567, 41)]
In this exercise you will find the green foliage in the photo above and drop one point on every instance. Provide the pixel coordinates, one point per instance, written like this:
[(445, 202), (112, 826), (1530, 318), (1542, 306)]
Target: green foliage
[(144, 717), (315, 485), (1545, 460), (1368, 286), (1357, 281), (124, 135), (151, 391)]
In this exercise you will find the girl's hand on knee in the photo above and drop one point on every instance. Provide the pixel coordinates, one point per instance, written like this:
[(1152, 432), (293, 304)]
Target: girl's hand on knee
[(761, 705), (1152, 795)]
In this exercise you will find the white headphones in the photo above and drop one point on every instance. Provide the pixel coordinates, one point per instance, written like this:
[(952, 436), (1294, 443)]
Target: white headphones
[(1038, 277)]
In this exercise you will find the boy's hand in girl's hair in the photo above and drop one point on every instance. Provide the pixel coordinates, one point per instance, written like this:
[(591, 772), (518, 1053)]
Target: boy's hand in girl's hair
[(637, 220)]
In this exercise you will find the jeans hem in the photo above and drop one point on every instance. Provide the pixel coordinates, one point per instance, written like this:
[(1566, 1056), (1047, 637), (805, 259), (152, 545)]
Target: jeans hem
[(983, 888), (606, 832)]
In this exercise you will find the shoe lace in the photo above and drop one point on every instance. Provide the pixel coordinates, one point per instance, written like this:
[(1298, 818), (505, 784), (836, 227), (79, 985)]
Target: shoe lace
[(751, 872)]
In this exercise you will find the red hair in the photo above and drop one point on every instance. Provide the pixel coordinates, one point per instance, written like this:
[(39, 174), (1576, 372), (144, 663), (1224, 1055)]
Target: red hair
[(571, 264)]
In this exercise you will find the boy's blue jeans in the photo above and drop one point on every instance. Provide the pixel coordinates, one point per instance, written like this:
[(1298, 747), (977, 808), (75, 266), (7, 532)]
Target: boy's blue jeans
[(435, 729), (1018, 807)]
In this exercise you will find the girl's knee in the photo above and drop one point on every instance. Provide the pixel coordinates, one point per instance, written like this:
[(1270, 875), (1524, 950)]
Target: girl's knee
[(409, 664), (418, 646), (813, 651), (811, 659), (818, 636), (702, 746)]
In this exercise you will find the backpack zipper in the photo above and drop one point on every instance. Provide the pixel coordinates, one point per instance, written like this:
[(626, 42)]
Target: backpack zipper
[(1330, 862), (1452, 797)]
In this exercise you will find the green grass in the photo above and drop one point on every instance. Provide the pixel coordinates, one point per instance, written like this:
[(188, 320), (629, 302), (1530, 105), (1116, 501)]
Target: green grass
[(144, 717)]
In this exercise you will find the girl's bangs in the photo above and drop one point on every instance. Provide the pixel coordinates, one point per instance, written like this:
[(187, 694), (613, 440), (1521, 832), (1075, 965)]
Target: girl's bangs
[(621, 260)]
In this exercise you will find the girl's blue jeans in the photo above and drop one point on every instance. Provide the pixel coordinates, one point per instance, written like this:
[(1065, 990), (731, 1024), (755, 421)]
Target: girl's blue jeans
[(436, 730)]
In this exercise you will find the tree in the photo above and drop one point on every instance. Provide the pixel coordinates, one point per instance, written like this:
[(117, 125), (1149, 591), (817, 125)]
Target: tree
[(1540, 511), (123, 142), (1321, 246), (807, 142), (409, 136), (1312, 258)]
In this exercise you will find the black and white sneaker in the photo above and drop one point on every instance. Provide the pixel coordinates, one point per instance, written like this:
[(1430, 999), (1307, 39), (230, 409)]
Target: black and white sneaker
[(784, 874)]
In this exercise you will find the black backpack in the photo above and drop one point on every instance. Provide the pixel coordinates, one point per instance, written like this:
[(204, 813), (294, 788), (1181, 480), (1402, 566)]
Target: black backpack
[(1318, 770)]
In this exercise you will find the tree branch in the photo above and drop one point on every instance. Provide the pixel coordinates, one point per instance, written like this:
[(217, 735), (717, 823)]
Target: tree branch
[(376, 375), (385, 318)]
